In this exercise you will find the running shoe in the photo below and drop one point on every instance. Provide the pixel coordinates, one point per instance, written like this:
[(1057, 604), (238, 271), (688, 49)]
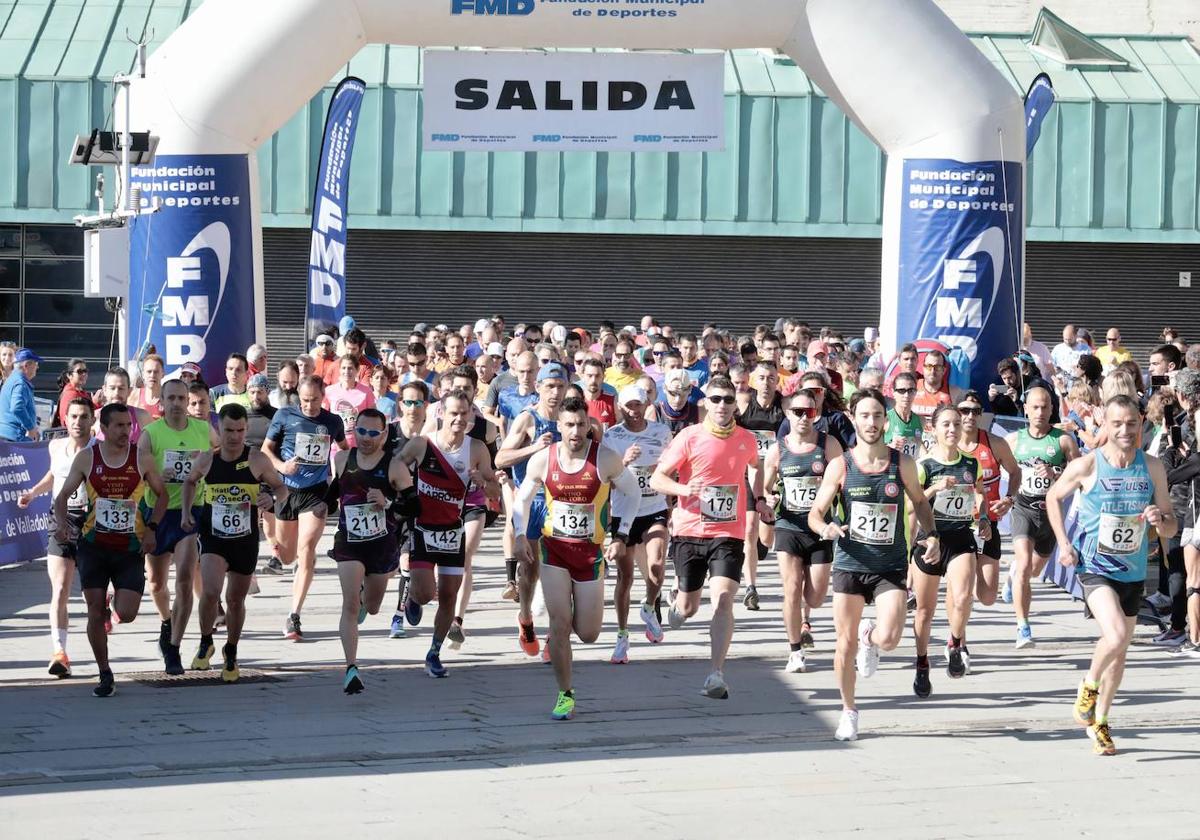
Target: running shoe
[(546, 651), (412, 612), (60, 665), (434, 666), (847, 726), (1084, 710), (527, 639), (750, 601), (654, 631), (922, 685), (564, 706), (1160, 602), (203, 659), (397, 631), (620, 654), (164, 636), (291, 630), (254, 587), (911, 603), (1006, 594), (352, 684), (1169, 638), (1102, 742), (867, 658), (510, 591), (456, 635), (173, 661), (1024, 637), (796, 663), (966, 658), (113, 617), (955, 669), (230, 673), (1188, 648), (274, 566), (807, 642), (715, 686), (220, 619), (675, 618), (107, 686), (658, 604)]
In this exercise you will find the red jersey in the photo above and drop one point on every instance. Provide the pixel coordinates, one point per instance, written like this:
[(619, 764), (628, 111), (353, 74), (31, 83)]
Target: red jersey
[(577, 515), (603, 410), (989, 470), (114, 521), (441, 487)]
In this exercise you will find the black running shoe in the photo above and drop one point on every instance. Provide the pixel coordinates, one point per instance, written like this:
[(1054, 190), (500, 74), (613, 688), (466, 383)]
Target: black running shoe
[(955, 665), (750, 602), (291, 630), (274, 566), (173, 661), (922, 687), (107, 686), (352, 684)]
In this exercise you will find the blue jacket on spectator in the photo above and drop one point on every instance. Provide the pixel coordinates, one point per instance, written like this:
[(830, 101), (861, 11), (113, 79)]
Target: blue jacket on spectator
[(18, 414)]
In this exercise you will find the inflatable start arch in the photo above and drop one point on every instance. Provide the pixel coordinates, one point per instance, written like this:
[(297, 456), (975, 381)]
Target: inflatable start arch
[(235, 72)]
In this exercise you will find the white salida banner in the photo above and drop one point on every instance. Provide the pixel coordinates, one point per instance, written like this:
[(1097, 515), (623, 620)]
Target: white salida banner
[(573, 101)]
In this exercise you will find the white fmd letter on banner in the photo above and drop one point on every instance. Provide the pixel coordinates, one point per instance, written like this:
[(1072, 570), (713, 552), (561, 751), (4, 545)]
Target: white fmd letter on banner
[(532, 101)]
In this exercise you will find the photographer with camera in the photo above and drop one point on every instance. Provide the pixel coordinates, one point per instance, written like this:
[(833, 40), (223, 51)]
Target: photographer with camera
[(1180, 457)]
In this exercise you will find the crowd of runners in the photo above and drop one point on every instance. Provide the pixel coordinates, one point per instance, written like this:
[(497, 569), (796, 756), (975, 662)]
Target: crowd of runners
[(679, 460)]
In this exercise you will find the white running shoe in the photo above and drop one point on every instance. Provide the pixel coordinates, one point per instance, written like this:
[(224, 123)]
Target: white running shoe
[(538, 603), (654, 631), (675, 618), (1159, 601), (715, 686), (796, 663), (620, 654), (867, 659), (848, 726)]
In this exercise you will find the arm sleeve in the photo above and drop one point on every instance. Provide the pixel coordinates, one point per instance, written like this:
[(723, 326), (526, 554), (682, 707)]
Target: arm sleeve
[(521, 504)]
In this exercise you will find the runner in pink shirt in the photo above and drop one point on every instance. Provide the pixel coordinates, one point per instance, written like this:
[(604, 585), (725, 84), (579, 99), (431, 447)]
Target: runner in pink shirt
[(706, 468), (348, 396)]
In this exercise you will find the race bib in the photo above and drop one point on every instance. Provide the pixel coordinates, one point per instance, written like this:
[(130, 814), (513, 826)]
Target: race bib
[(719, 503), (177, 465), (231, 519), (955, 503), (1033, 484), (909, 446), (115, 516), (763, 440), (573, 521), (643, 479), (1121, 534), (79, 499), (873, 523), (443, 542), (800, 492), (364, 523), (312, 449)]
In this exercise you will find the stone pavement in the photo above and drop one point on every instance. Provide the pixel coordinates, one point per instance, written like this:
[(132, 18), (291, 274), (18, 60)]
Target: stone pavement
[(476, 755)]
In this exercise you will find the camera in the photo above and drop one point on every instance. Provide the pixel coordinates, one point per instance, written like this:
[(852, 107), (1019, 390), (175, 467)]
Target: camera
[(1173, 422), (1160, 381)]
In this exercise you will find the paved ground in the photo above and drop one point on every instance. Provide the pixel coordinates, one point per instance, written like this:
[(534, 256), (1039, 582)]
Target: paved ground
[(992, 755)]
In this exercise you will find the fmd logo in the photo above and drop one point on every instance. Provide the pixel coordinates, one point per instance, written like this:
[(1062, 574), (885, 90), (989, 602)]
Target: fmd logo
[(547, 138), (445, 138), (647, 138), (491, 7), (185, 313)]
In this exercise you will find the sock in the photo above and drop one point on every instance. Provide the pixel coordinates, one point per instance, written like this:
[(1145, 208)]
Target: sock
[(623, 631), (351, 665), (59, 636), (955, 641), (1101, 719), (510, 567), (1088, 682), (570, 692), (458, 618), (923, 661), (795, 646), (206, 641), (435, 646)]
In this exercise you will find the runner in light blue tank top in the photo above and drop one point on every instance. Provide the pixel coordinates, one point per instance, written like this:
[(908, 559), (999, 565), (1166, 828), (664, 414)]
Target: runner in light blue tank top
[(1112, 537)]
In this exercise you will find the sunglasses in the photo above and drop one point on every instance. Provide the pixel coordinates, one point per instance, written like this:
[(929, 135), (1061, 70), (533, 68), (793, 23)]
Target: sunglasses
[(545, 361), (80, 370), (813, 388), (622, 355), (370, 433), (419, 361), (660, 352), (412, 403), (973, 410), (716, 399), (904, 390), (809, 411), (934, 367)]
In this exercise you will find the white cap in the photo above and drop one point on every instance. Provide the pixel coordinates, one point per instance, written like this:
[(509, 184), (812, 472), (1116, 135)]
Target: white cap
[(558, 334), (630, 329), (870, 334), (481, 325), (495, 349), (632, 393), (678, 378)]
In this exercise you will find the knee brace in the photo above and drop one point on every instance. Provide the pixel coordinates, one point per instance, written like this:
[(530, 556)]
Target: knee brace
[(1193, 590)]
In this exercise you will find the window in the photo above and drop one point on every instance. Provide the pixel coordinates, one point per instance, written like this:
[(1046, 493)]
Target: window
[(10, 274), (54, 274), (53, 241), (43, 308), (10, 241), (10, 310)]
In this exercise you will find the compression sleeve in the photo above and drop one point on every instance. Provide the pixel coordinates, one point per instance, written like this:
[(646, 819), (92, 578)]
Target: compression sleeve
[(521, 505)]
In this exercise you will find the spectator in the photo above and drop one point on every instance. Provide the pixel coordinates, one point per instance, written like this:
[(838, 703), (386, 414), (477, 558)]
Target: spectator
[(1038, 350), (1112, 353), (1006, 394), (1192, 357), (73, 383), (1183, 477), (8, 352), (18, 414), (1089, 369), (1083, 417), (1065, 355), (306, 365), (1165, 361), (148, 395), (381, 386)]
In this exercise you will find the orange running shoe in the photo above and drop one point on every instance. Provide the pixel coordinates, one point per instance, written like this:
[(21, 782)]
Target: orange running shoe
[(528, 639), (60, 665)]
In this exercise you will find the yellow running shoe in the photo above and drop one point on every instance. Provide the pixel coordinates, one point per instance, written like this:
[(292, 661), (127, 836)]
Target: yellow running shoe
[(1085, 704), (564, 709), (203, 659), (230, 672), (1102, 742)]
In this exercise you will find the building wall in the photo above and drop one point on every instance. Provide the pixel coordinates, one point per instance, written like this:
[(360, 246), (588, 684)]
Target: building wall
[(1130, 17)]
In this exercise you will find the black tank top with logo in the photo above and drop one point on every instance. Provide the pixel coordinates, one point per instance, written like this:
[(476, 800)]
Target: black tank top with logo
[(800, 477), (230, 501), (363, 529), (876, 519)]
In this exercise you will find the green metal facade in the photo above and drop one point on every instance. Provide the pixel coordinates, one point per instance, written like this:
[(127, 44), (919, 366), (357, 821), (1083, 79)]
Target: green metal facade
[(1117, 161)]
